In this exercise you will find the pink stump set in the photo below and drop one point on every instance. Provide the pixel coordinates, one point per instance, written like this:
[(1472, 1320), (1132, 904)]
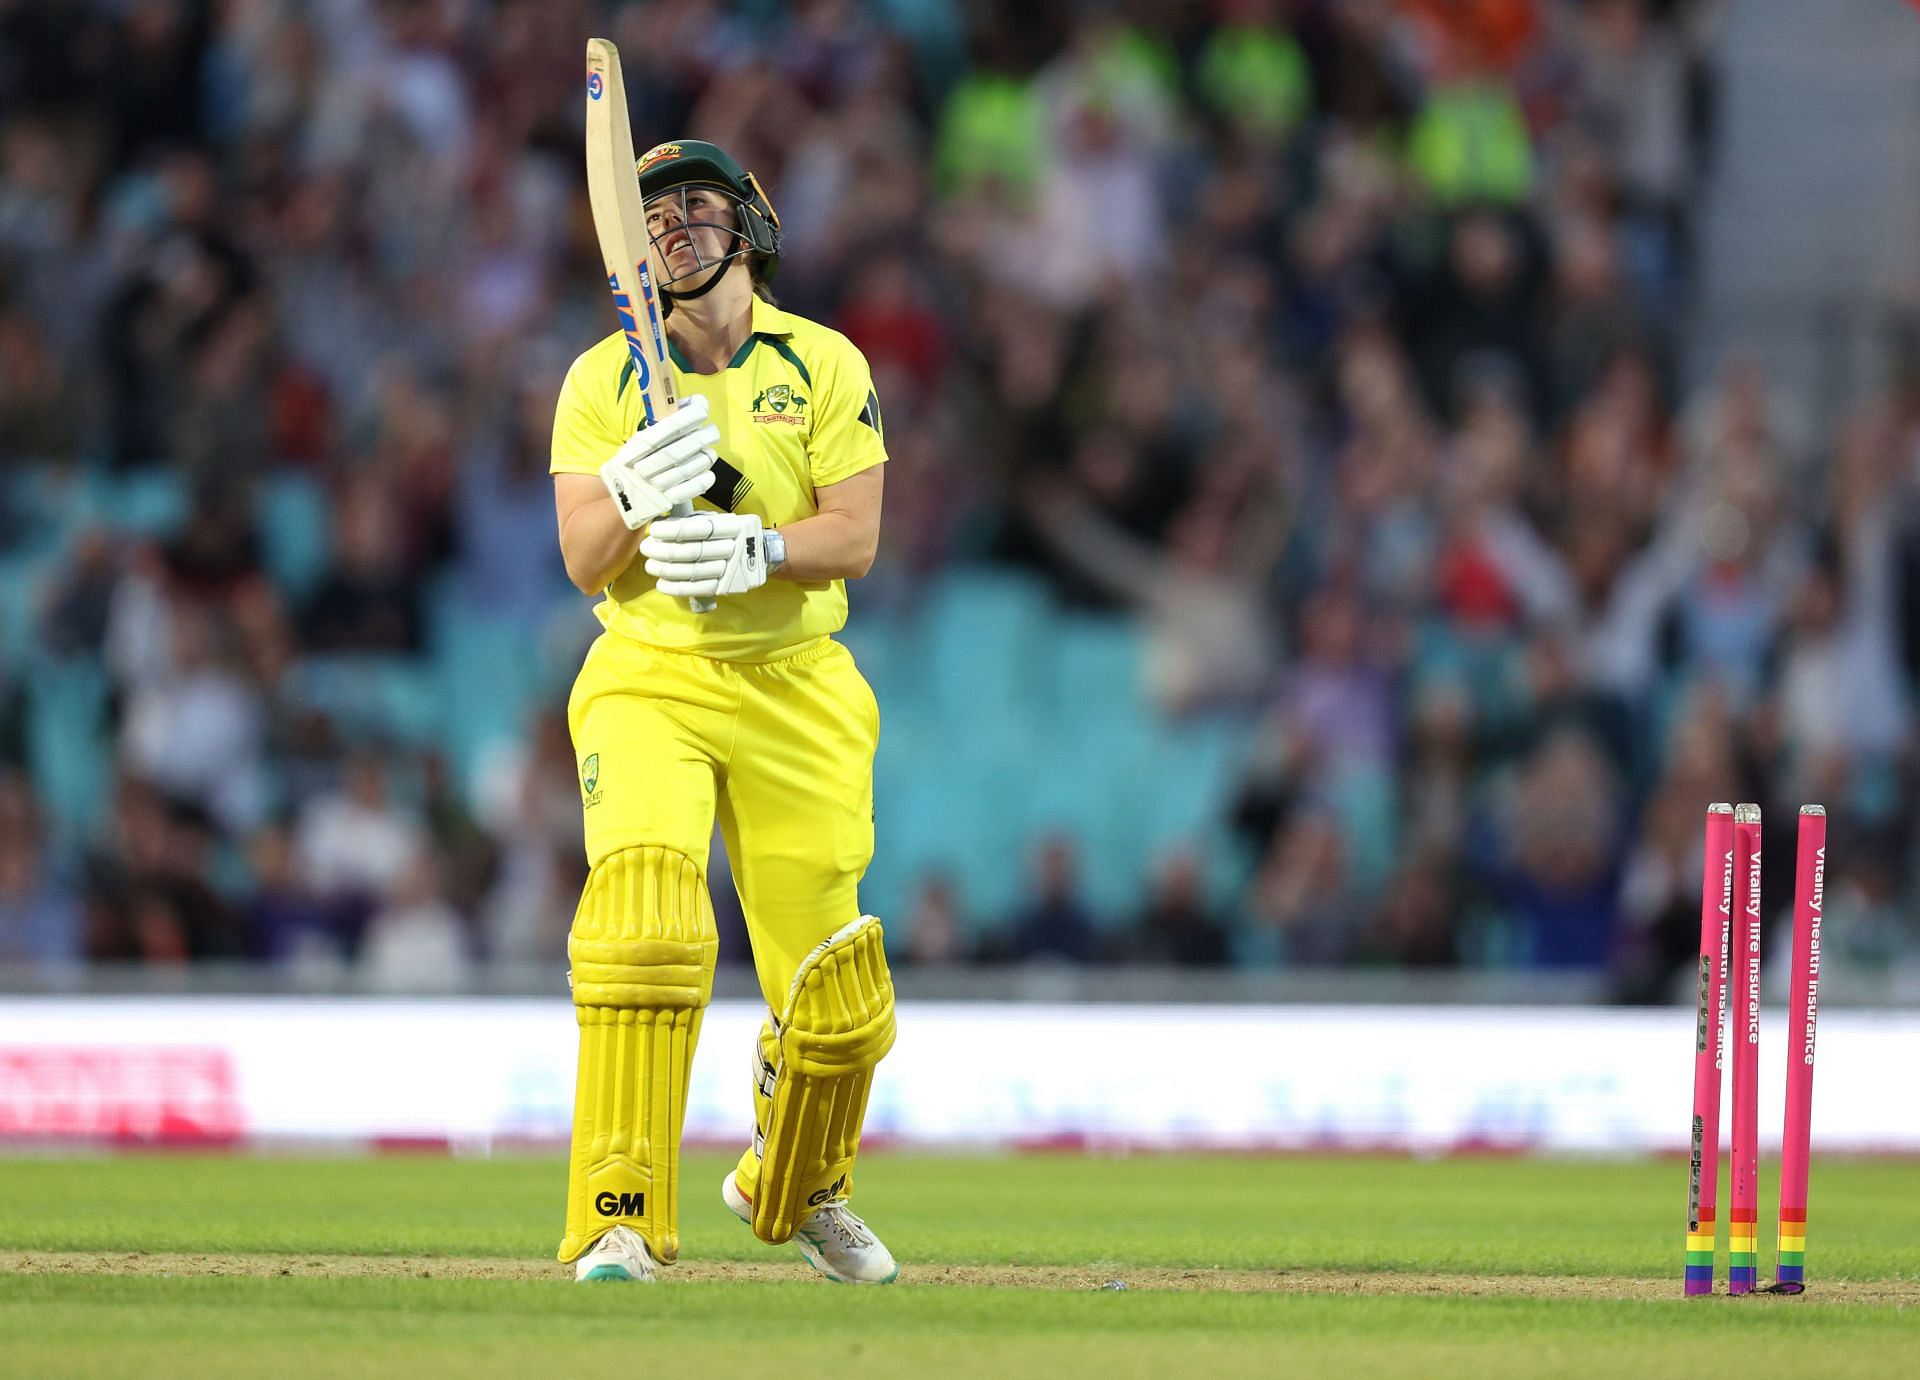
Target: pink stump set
[(1729, 976)]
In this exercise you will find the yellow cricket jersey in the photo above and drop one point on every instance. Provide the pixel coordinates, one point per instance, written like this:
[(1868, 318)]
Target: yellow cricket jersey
[(796, 411)]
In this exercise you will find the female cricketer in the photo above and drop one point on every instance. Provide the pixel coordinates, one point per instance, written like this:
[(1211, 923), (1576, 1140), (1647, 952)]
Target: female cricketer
[(750, 713)]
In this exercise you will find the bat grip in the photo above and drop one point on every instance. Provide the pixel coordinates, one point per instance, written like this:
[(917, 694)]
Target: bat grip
[(699, 603)]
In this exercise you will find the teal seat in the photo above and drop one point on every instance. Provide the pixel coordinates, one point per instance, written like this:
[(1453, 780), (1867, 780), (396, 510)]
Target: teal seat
[(1201, 767), (1085, 780), (1197, 766), (912, 835), (408, 690), (378, 696), (1093, 658), (1363, 804), (22, 578), (485, 680), (1105, 734), (148, 502), (54, 504), (1115, 872), (292, 523), (874, 644), (1005, 721), (68, 748), (945, 807), (981, 635)]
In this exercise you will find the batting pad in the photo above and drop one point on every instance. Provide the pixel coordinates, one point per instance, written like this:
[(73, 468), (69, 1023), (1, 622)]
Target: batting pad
[(838, 1024), (643, 948)]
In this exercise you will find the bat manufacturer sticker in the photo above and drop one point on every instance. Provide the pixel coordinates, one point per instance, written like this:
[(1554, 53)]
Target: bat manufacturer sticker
[(596, 86), (636, 345)]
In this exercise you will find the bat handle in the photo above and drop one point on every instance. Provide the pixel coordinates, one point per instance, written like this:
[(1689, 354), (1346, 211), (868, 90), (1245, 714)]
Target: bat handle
[(699, 603)]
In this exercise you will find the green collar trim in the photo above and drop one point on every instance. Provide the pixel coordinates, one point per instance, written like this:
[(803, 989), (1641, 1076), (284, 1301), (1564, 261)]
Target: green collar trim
[(785, 351), (740, 356), (768, 322)]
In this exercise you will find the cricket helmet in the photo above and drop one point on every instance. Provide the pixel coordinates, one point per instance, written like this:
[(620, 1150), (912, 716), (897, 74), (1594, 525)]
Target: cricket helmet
[(695, 163)]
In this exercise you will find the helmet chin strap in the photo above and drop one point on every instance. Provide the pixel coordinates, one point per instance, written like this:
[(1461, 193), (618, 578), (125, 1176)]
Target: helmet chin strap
[(743, 245), (724, 267)]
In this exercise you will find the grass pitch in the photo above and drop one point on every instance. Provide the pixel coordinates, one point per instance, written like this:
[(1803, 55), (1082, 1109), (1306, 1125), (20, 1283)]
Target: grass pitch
[(1235, 1266)]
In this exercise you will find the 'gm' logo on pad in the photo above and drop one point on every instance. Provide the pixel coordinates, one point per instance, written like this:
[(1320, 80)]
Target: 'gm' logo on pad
[(621, 1204)]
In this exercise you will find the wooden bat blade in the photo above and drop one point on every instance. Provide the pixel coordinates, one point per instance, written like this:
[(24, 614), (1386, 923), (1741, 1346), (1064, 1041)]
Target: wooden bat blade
[(620, 224)]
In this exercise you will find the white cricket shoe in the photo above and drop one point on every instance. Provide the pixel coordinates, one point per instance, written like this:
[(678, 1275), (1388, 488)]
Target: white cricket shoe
[(834, 1241), (618, 1257)]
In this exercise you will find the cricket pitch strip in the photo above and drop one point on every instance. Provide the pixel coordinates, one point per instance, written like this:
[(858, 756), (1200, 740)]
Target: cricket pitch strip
[(1064, 1277)]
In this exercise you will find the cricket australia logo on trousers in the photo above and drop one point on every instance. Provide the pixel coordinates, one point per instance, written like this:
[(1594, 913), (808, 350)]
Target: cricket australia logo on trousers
[(590, 781)]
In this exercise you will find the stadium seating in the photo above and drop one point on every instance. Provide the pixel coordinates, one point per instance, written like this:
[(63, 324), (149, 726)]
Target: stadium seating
[(1004, 717)]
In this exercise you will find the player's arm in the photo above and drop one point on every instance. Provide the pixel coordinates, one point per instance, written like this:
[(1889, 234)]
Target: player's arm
[(840, 541), (595, 541), (606, 488), (847, 456)]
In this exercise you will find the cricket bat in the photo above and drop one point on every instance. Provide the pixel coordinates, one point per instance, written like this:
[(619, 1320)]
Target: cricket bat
[(620, 222)]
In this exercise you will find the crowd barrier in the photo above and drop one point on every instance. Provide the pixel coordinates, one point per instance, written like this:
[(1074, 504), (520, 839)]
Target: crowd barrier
[(478, 1074)]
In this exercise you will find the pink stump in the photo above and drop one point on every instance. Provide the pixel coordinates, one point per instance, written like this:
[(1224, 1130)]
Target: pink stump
[(1743, 1250), (1709, 1048), (1803, 1010)]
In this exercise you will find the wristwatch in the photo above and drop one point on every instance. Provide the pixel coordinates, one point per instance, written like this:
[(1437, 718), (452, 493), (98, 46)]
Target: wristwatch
[(776, 551)]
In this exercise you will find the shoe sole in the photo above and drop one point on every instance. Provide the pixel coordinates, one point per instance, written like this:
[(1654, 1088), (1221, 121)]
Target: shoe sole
[(729, 1191), (610, 1274), (838, 1279)]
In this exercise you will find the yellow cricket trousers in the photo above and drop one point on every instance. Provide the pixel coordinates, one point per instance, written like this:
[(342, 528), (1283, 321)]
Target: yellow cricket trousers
[(781, 753)]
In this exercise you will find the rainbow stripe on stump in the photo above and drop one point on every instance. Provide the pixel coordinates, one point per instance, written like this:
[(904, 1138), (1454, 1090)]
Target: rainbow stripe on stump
[(1728, 984), (1790, 1255), (1743, 1252), (1700, 1248)]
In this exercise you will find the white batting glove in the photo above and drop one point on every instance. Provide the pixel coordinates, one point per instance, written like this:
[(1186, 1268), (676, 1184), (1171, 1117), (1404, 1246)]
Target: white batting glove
[(664, 464), (706, 555)]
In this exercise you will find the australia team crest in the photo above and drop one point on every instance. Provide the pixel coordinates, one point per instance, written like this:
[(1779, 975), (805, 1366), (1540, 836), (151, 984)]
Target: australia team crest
[(779, 403)]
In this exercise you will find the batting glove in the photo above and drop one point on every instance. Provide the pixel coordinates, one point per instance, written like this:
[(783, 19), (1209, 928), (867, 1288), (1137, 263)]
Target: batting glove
[(706, 555), (664, 464)]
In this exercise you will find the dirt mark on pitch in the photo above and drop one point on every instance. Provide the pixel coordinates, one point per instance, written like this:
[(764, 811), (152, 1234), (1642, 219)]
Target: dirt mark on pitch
[(1069, 1277)]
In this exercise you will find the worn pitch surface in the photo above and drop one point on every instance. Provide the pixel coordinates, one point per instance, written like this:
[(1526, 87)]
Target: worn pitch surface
[(1232, 1266)]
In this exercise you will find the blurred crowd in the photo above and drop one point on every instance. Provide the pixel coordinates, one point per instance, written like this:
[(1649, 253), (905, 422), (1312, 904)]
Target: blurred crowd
[(1336, 341)]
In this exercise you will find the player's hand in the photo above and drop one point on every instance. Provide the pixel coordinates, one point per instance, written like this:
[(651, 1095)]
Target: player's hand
[(706, 555), (664, 464)]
